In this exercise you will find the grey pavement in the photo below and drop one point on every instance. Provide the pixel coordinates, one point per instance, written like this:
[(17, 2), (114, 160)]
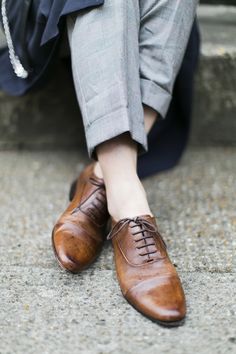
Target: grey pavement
[(46, 310)]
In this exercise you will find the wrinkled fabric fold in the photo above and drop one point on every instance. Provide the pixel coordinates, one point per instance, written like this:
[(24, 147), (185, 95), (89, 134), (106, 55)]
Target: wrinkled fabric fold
[(54, 10)]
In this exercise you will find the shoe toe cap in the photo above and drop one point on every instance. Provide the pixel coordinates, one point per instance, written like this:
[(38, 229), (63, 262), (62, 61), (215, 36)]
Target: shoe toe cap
[(72, 248), (161, 299)]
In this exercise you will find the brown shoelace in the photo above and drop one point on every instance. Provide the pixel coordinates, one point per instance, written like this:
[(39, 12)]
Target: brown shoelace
[(145, 227), (97, 209)]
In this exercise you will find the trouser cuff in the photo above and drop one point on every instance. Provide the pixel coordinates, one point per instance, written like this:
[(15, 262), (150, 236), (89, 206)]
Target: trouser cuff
[(155, 96), (108, 127)]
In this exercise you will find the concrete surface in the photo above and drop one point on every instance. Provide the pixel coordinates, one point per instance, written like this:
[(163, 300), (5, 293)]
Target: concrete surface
[(51, 117), (218, 29), (214, 120), (46, 310), (44, 119)]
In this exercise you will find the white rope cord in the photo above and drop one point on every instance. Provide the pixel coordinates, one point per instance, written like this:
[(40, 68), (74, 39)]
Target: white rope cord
[(14, 59)]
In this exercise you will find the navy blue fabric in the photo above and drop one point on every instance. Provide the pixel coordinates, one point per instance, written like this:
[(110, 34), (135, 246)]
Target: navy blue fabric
[(43, 31), (168, 138)]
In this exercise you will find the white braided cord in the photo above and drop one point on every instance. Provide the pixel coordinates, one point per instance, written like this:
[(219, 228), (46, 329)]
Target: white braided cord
[(18, 68)]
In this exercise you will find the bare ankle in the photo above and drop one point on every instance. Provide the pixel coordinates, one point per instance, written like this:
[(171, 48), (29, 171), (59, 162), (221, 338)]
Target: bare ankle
[(125, 193), (127, 200), (98, 170)]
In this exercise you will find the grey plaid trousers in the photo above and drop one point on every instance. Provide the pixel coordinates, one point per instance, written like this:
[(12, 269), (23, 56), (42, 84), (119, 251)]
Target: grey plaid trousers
[(124, 54)]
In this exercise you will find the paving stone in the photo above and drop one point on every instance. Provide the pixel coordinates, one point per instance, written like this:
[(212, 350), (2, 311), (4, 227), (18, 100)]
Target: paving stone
[(55, 312), (46, 310)]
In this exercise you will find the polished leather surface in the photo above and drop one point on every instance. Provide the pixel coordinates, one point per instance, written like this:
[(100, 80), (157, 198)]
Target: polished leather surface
[(79, 233), (147, 278)]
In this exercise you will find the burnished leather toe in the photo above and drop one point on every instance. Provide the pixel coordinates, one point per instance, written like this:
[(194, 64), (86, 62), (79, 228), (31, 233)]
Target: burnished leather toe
[(147, 297), (79, 233), (74, 249), (147, 278)]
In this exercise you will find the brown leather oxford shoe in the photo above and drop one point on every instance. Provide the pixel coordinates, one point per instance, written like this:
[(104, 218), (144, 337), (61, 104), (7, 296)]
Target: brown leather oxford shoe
[(79, 234), (147, 278)]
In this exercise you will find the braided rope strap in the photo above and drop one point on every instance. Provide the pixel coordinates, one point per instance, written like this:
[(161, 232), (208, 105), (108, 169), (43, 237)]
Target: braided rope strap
[(18, 68)]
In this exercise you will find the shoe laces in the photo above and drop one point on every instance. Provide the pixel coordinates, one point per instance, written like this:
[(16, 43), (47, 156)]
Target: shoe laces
[(97, 207), (147, 231)]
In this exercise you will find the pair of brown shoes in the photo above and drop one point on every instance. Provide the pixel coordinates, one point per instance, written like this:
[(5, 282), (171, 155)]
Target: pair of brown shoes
[(147, 278)]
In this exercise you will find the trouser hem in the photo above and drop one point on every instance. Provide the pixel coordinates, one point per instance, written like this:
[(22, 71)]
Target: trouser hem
[(108, 127), (155, 96)]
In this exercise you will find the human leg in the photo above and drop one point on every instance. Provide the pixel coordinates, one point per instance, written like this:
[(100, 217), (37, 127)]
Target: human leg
[(105, 70), (165, 27), (150, 116), (147, 277), (125, 193), (106, 76), (105, 66), (164, 30)]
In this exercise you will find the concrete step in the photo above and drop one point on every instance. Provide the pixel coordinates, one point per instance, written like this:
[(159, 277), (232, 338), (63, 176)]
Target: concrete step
[(51, 118), (215, 97)]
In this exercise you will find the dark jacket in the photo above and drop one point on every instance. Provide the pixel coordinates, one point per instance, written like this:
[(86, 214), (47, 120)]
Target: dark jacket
[(45, 24)]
